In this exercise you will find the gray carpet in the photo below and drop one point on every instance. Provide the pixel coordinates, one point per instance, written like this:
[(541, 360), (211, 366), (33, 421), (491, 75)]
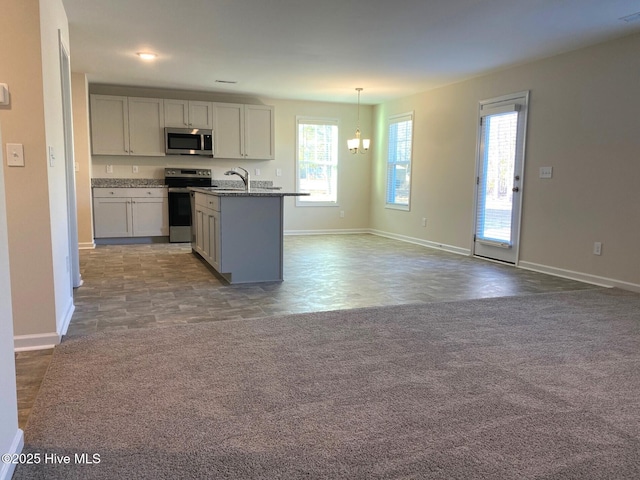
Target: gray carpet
[(543, 386)]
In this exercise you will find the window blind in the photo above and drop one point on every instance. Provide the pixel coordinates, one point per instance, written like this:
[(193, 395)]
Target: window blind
[(495, 181)]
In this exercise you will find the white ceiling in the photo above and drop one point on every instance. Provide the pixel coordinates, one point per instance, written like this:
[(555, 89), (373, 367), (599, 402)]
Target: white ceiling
[(324, 49)]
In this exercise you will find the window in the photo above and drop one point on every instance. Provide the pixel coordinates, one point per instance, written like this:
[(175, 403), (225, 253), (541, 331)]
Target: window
[(317, 161), (399, 161)]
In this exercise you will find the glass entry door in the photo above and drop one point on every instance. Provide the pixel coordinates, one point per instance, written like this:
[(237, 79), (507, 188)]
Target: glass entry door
[(499, 179)]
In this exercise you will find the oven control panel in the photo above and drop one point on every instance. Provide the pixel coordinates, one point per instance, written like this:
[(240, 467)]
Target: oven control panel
[(187, 172)]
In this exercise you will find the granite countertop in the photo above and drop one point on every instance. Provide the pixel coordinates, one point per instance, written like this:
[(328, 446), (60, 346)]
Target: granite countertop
[(254, 192), (127, 182), (233, 185)]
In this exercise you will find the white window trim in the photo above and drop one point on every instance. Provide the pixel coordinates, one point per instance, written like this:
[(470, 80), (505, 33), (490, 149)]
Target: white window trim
[(395, 119), (317, 121)]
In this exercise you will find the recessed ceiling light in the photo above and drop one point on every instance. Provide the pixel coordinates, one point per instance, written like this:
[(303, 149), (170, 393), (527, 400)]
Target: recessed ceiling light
[(226, 81), (634, 17), (147, 55)]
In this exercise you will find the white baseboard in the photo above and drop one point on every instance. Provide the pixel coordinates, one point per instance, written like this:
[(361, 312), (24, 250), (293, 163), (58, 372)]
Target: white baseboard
[(44, 341), (41, 341), (7, 469), (86, 245), (64, 325), (579, 276), (424, 243), (328, 232)]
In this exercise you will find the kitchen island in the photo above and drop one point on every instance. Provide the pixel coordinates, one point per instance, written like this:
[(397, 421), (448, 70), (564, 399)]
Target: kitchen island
[(240, 233)]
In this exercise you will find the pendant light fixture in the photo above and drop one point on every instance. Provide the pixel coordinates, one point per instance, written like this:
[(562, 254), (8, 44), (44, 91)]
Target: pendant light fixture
[(354, 143)]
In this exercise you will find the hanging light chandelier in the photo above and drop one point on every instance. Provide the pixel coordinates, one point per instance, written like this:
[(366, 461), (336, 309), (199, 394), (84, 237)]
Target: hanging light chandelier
[(354, 143)]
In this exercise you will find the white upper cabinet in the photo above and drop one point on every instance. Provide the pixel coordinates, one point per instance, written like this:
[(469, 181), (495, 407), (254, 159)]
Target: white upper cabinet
[(109, 125), (135, 126), (228, 131), (127, 125), (146, 126), (243, 131), (259, 132), (188, 113)]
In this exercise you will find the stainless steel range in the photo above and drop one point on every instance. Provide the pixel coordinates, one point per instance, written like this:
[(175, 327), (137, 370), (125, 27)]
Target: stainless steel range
[(178, 179)]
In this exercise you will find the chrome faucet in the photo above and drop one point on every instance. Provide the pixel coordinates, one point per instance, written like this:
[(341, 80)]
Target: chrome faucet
[(246, 178)]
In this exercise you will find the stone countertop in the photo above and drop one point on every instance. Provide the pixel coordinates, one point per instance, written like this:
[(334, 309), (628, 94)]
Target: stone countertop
[(254, 192), (159, 182), (127, 182)]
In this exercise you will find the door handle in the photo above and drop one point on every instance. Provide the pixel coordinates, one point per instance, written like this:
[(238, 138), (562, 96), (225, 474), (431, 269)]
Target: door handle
[(515, 189)]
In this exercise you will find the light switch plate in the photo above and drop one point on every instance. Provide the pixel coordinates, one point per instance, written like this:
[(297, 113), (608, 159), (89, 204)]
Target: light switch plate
[(546, 172), (15, 155)]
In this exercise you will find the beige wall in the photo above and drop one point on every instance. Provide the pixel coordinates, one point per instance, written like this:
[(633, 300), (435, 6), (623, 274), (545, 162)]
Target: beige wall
[(583, 121), (27, 188), (36, 193), (353, 175), (82, 154)]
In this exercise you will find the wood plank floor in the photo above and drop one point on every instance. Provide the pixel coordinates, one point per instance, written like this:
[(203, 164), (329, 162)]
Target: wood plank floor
[(151, 286)]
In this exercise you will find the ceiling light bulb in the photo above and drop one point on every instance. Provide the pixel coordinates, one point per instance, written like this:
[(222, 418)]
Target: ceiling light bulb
[(147, 55)]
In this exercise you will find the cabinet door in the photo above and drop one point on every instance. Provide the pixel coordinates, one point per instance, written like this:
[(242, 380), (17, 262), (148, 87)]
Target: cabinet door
[(146, 126), (150, 217), (199, 227), (259, 132), (213, 224), (176, 113), (228, 131), (112, 217), (201, 114), (109, 125)]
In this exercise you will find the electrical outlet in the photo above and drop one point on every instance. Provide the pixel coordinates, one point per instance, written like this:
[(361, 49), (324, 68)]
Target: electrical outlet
[(341, 213), (134, 169), (278, 172), (109, 168), (597, 248), (424, 222), (257, 172)]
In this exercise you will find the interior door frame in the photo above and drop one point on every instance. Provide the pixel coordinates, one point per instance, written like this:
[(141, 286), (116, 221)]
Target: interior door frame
[(503, 99), (69, 165)]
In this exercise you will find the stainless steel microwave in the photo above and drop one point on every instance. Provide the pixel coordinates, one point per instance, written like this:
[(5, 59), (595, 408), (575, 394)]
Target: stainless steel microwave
[(188, 141)]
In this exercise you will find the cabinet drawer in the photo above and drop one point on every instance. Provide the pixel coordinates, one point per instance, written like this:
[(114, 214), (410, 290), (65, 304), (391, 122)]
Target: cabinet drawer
[(157, 192), (208, 201), (110, 192)]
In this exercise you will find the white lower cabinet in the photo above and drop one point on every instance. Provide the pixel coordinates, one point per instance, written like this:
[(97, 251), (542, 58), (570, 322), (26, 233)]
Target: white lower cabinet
[(130, 212)]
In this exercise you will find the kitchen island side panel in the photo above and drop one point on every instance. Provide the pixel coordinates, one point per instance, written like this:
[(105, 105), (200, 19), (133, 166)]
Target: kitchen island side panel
[(251, 236)]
